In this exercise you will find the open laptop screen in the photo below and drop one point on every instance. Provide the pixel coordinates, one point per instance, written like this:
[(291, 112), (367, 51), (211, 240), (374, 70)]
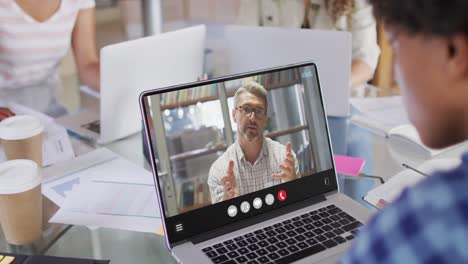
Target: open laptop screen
[(232, 148)]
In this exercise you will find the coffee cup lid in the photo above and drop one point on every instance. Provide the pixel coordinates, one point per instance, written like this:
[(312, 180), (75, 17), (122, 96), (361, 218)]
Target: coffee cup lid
[(18, 176), (20, 127)]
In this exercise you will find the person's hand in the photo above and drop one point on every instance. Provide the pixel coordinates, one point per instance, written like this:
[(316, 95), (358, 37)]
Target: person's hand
[(288, 167), (229, 183), (5, 113)]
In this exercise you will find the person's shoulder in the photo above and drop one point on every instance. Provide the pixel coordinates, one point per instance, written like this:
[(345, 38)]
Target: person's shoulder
[(430, 211)]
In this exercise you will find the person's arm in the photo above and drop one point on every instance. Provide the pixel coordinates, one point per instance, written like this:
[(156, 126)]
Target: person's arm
[(84, 48), (365, 50), (361, 72)]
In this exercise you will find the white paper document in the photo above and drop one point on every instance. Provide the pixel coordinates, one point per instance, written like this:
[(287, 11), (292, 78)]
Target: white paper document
[(56, 144), (103, 189)]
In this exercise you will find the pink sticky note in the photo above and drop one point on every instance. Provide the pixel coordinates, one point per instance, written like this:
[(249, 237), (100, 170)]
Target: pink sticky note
[(348, 165)]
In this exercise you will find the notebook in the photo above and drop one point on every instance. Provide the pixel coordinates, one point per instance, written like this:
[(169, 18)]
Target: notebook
[(391, 190)]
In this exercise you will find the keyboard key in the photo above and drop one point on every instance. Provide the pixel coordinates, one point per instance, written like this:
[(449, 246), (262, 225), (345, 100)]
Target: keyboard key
[(252, 262), (335, 224), (298, 223), (301, 254), (293, 249), (263, 259), (320, 238), (277, 225), (318, 231), (351, 226), (272, 240), (271, 233), (252, 255), (302, 245), (289, 227), (329, 243), (273, 256), (322, 209), (261, 252), (339, 240), (242, 243), (300, 230), (330, 235), (311, 241), (253, 247), (239, 238), (243, 251), (296, 218), (268, 228), (338, 231), (331, 206), (350, 218), (287, 222), (324, 214), (291, 241), (283, 252), (211, 254), (232, 247), (315, 218), (241, 259), (291, 233), (344, 221), (350, 237), (309, 227), (281, 244), (343, 214), (249, 235), (306, 220), (258, 231), (305, 215), (335, 210), (261, 237), (233, 254), (271, 248), (317, 223), (252, 240), (218, 245), (326, 228), (219, 259), (280, 230), (300, 238), (221, 250), (263, 244), (334, 218), (326, 220), (282, 236), (227, 242), (314, 212), (308, 234), (207, 249)]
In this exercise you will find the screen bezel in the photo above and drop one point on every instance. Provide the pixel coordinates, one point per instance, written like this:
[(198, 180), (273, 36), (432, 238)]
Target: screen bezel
[(298, 190)]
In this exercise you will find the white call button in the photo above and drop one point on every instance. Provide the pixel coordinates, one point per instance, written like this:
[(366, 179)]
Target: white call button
[(245, 207), (257, 203), (232, 211)]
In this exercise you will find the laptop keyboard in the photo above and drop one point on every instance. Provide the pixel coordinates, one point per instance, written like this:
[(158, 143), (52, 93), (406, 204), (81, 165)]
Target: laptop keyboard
[(288, 241)]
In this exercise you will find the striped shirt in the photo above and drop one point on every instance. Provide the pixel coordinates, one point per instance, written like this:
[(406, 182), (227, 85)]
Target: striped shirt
[(31, 51), (249, 177)]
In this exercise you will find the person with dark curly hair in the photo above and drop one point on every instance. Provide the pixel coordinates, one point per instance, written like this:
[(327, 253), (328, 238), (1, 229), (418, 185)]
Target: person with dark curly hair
[(428, 223)]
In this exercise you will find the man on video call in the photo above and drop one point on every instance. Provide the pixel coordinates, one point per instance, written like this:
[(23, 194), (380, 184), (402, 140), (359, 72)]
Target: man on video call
[(253, 162)]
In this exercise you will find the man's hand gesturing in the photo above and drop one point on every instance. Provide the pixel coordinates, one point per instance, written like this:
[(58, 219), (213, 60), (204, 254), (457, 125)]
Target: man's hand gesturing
[(288, 167), (229, 183)]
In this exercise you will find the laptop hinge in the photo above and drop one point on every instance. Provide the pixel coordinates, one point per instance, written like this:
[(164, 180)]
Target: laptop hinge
[(256, 219)]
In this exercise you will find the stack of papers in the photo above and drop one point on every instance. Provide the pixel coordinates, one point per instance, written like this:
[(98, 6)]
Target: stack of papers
[(56, 144), (102, 189)]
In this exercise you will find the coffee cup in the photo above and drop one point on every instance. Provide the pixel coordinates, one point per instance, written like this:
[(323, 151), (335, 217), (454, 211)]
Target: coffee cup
[(21, 138), (20, 201)]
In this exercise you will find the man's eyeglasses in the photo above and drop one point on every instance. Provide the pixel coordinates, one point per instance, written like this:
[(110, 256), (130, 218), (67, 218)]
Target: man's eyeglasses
[(247, 110)]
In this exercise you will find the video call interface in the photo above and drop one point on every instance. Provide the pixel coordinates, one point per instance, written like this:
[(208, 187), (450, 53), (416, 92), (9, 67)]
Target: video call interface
[(220, 141)]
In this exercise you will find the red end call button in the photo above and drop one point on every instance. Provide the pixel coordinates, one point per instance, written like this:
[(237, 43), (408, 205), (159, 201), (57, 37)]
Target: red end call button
[(282, 195)]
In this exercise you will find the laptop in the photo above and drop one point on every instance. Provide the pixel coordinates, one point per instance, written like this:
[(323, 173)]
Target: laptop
[(331, 50), (129, 68), (283, 206)]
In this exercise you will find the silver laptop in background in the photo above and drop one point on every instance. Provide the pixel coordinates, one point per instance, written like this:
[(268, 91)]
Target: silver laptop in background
[(331, 50), (130, 67), (305, 220)]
